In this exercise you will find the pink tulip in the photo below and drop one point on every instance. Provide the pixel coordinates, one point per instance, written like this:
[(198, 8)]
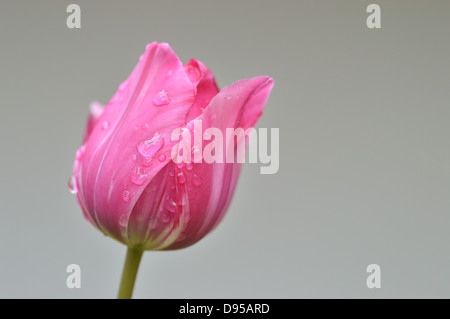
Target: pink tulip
[(125, 180)]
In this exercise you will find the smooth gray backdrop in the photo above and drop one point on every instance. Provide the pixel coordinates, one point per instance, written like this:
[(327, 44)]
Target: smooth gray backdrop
[(364, 149)]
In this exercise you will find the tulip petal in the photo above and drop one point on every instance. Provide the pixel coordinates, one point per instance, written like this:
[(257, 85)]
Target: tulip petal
[(177, 212), (205, 84), (133, 131), (236, 106)]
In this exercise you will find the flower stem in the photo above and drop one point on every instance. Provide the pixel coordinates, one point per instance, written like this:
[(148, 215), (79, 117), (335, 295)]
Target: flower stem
[(129, 273)]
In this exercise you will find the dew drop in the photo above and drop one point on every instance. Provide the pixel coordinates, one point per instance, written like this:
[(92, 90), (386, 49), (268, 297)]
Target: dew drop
[(171, 174), (147, 162), (162, 98), (134, 158), (162, 158), (105, 125), (71, 184), (149, 147), (165, 218), (138, 177), (180, 165), (126, 196), (228, 97), (196, 150), (189, 166), (123, 220), (181, 178), (80, 152), (145, 126), (206, 136), (197, 180), (171, 206)]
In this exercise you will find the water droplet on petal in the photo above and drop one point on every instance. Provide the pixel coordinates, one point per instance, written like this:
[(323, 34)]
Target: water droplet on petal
[(207, 135), (123, 220), (180, 165), (105, 125), (162, 158), (181, 178), (162, 98), (126, 196), (149, 147), (134, 157), (171, 206), (147, 162), (197, 180), (72, 185), (189, 166), (80, 152), (165, 218), (196, 150), (138, 177), (145, 126), (228, 97), (171, 174)]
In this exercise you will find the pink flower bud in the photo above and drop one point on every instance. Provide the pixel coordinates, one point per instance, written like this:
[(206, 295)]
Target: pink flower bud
[(124, 177)]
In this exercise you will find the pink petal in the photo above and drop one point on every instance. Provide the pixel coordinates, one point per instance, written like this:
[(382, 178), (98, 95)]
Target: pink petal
[(175, 213), (134, 128), (206, 85)]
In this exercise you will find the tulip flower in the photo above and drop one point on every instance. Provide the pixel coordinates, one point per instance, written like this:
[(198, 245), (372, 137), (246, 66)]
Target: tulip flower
[(124, 175)]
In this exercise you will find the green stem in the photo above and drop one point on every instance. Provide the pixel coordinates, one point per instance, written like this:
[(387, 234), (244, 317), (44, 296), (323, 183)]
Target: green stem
[(129, 273)]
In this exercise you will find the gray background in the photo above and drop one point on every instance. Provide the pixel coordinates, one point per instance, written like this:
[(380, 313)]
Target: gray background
[(364, 149)]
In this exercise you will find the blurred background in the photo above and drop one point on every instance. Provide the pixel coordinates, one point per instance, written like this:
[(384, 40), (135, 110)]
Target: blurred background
[(364, 147)]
